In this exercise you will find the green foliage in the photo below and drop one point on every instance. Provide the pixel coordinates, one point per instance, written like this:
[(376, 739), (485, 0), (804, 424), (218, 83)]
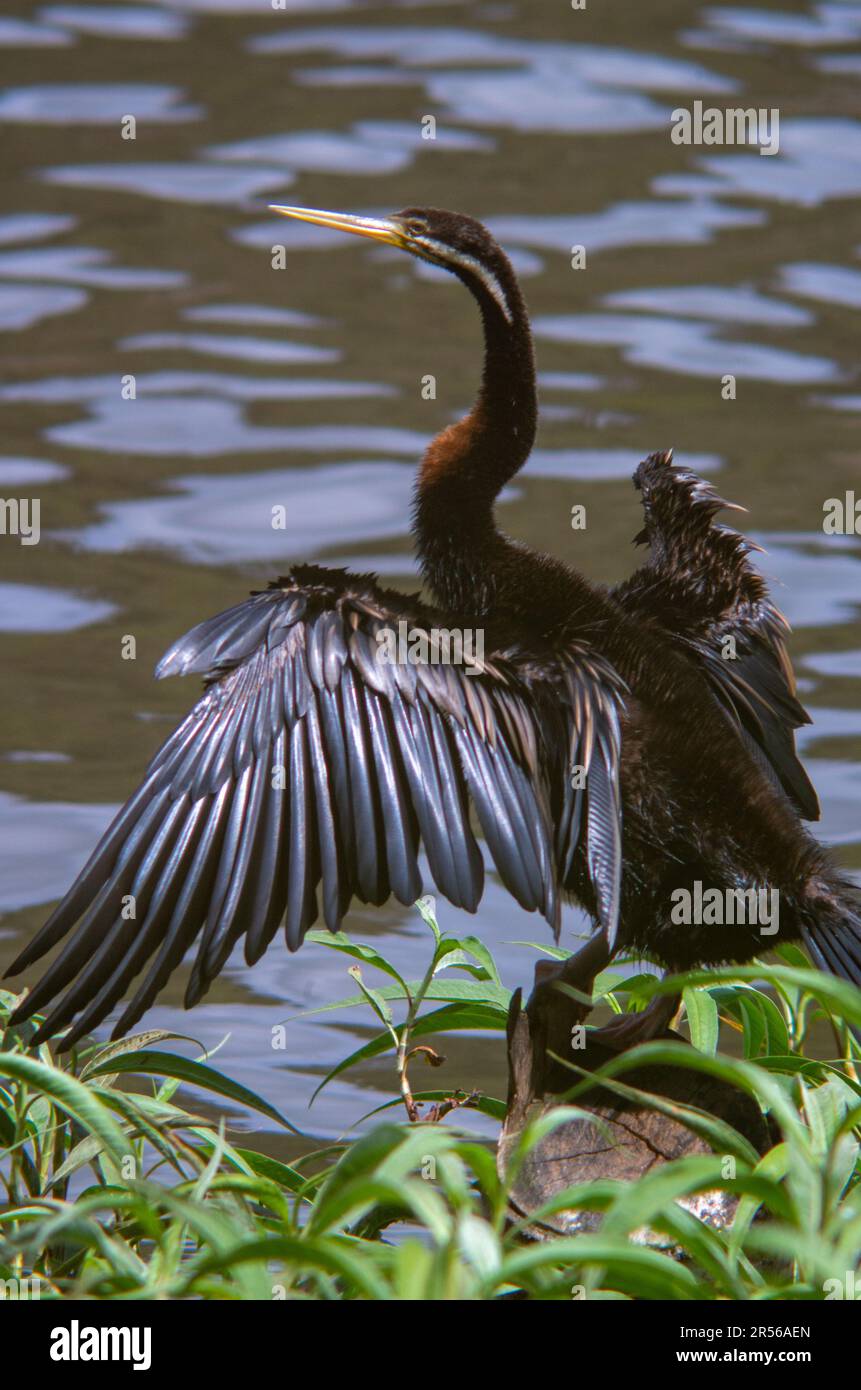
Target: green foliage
[(118, 1193)]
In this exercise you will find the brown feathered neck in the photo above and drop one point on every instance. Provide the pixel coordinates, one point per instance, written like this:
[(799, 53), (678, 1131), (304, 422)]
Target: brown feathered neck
[(466, 465)]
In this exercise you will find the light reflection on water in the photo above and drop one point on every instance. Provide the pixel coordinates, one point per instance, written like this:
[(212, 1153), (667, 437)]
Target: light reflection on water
[(97, 103), (228, 519), (242, 349), (687, 346), (82, 265), (627, 224), (31, 608), (17, 471), (188, 183), (814, 581), (826, 24), (303, 389), (534, 86), (32, 227), (832, 284), (116, 21), (206, 428), (25, 305), (372, 148), (819, 159)]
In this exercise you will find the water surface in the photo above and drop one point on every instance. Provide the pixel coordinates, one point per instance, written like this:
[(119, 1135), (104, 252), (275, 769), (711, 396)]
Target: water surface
[(301, 387)]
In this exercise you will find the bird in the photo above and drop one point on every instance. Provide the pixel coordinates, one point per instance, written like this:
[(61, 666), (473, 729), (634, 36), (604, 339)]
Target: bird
[(614, 745)]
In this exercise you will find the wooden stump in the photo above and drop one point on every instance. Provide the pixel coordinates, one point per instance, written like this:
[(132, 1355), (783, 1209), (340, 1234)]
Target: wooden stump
[(627, 1139)]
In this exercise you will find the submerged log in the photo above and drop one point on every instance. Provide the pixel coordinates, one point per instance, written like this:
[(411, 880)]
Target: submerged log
[(623, 1139)]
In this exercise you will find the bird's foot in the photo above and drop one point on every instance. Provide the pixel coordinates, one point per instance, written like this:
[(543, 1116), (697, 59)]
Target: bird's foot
[(554, 1013), (626, 1030), (578, 972), (549, 974)]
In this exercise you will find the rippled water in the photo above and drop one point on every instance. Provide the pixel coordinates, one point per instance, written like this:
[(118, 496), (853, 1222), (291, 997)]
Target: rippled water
[(301, 387)]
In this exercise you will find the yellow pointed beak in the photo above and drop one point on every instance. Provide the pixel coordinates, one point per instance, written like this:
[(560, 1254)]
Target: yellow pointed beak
[(384, 229)]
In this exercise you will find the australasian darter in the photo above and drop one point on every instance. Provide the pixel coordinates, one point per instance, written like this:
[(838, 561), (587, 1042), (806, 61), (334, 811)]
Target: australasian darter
[(691, 774)]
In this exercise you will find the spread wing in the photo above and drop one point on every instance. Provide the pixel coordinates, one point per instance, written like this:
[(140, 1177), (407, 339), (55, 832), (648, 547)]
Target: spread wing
[(700, 586), (319, 761)]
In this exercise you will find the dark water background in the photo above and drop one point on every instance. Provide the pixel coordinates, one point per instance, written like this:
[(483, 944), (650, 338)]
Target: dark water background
[(302, 386)]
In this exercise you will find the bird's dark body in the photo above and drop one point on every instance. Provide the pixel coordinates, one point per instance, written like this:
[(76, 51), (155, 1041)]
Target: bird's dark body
[(695, 803), (671, 694)]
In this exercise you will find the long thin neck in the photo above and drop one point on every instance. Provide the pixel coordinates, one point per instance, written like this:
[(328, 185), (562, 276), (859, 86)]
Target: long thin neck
[(467, 465)]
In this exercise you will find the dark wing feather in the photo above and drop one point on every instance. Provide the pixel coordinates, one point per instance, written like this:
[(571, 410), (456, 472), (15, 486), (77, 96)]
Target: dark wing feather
[(312, 772), (700, 586), (590, 815)]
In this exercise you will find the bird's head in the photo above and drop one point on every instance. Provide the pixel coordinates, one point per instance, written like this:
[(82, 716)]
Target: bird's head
[(449, 239)]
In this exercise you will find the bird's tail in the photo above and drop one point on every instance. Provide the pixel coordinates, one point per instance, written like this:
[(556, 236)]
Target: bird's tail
[(830, 923)]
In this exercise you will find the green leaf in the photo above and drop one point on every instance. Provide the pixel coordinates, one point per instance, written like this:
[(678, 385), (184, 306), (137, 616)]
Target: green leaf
[(638, 1203), (339, 941), (67, 1092), (702, 1020), (772, 1092), (479, 1245), (639, 988), (763, 1024), (388, 1153), (838, 995), (273, 1169), (483, 991), (324, 1255), (413, 1273), (722, 1137), (376, 1001), (825, 1107), (192, 1074), (132, 1044), (427, 910), (479, 952), (644, 1273)]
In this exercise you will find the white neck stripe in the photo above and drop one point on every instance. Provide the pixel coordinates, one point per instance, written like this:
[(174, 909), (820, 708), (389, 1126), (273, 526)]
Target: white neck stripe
[(439, 252)]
